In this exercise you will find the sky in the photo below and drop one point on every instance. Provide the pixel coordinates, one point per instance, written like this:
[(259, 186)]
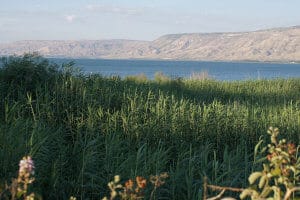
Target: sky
[(138, 19)]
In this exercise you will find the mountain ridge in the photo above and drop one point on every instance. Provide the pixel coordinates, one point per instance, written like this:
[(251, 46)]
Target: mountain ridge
[(274, 45)]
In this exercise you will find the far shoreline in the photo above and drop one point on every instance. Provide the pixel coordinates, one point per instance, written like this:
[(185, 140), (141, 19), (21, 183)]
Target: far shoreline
[(174, 60)]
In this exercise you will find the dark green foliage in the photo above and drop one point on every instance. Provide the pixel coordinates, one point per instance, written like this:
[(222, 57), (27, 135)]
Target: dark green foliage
[(83, 130), (27, 72)]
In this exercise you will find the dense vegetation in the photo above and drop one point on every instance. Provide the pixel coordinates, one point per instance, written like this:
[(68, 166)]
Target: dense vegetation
[(82, 130)]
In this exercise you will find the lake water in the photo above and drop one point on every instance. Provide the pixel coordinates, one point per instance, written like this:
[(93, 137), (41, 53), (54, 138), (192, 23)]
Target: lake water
[(217, 70)]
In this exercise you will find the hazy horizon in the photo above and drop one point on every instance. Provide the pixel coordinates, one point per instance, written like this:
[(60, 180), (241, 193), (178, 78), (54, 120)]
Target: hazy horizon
[(138, 20), (267, 28)]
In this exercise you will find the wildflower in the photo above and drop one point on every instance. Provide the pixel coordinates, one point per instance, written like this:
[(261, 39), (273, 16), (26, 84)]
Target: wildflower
[(285, 171), (129, 184), (113, 194), (291, 148), (31, 197), (25, 177), (141, 182), (270, 156), (117, 179), (26, 166), (158, 180)]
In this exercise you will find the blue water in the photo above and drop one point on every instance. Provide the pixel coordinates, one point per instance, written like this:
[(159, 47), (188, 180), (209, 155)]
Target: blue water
[(217, 70)]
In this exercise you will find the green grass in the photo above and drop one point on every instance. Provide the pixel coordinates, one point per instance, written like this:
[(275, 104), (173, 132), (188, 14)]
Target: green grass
[(83, 130)]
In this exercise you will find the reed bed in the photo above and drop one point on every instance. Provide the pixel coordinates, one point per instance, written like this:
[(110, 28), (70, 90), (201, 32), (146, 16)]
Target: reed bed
[(82, 130)]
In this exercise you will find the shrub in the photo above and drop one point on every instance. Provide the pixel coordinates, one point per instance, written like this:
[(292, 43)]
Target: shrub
[(140, 78), (161, 78), (135, 189), (26, 72), (280, 177)]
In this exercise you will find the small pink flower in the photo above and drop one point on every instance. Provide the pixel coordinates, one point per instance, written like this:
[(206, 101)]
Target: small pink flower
[(26, 165)]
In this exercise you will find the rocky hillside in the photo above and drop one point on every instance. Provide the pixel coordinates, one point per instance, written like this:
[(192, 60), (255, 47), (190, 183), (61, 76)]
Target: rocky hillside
[(280, 44)]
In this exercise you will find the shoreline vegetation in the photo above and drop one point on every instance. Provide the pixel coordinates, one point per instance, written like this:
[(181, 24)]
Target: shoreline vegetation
[(82, 130), (181, 60)]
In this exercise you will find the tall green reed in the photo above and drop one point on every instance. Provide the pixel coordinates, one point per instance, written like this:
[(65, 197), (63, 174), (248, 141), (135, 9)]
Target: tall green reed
[(83, 130)]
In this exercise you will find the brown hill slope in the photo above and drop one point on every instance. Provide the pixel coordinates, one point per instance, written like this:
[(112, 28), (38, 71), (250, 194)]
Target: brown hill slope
[(281, 44)]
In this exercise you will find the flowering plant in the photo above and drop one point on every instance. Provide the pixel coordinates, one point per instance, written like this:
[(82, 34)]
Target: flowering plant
[(134, 189), (280, 177), (19, 186)]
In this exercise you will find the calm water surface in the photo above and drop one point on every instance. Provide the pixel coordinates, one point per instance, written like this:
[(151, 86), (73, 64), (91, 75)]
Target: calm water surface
[(217, 70)]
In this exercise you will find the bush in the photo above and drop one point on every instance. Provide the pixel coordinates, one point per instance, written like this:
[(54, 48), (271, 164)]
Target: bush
[(140, 78), (26, 73), (161, 78), (280, 176), (29, 72)]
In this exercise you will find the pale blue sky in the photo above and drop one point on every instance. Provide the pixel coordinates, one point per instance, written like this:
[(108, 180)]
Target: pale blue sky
[(138, 19)]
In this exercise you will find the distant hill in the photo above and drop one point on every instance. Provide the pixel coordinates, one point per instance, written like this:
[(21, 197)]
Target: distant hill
[(279, 44)]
